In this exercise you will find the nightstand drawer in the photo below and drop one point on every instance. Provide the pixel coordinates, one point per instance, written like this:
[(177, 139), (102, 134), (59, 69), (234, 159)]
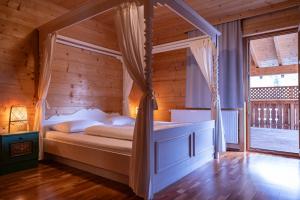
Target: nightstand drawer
[(19, 147)]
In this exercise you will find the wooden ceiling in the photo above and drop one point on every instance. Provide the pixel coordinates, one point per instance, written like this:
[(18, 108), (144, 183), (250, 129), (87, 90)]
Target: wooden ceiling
[(274, 55), (275, 51), (170, 27)]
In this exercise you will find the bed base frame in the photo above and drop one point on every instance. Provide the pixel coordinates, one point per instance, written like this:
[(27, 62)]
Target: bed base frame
[(111, 165), (177, 152), (181, 150), (89, 168)]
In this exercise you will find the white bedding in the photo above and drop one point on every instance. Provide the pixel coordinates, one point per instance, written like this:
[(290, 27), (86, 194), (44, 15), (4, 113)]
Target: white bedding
[(111, 138), (103, 143), (124, 132)]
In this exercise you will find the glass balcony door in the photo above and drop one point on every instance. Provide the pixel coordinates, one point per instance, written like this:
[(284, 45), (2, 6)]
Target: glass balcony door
[(273, 104)]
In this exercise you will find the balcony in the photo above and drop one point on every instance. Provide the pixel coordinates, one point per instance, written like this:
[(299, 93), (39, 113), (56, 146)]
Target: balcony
[(274, 118)]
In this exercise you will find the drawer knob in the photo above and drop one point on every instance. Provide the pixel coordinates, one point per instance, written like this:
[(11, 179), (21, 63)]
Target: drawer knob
[(20, 138)]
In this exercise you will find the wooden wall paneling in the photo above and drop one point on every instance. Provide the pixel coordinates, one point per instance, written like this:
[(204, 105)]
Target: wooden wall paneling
[(168, 83), (234, 10), (83, 79), (98, 34), (289, 18)]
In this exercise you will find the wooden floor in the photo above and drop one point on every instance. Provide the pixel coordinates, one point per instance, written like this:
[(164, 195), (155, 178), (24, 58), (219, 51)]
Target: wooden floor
[(236, 176), (275, 139)]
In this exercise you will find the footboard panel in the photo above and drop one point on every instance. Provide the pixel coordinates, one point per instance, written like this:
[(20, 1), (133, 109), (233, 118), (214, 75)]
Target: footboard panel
[(180, 150)]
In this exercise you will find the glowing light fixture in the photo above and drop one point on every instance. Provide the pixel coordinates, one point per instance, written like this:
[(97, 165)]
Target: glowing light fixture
[(18, 120)]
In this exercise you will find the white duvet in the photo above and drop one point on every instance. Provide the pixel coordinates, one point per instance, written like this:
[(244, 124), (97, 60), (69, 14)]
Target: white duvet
[(123, 132), (119, 132)]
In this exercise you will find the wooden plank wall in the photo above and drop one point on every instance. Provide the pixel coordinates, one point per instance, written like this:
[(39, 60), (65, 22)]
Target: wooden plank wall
[(169, 76), (272, 21), (83, 79), (18, 19)]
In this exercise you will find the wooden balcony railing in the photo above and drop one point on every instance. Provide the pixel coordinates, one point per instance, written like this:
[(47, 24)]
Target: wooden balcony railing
[(274, 93), (275, 114), (275, 107)]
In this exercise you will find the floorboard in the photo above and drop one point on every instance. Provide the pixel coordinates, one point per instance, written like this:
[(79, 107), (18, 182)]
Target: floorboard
[(236, 176)]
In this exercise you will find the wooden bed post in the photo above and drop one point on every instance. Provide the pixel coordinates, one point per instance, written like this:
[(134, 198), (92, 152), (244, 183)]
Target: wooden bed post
[(215, 94), (148, 17)]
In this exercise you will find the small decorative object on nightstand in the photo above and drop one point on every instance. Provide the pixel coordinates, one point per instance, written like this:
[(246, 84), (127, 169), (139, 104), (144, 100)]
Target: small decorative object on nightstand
[(18, 119), (18, 151)]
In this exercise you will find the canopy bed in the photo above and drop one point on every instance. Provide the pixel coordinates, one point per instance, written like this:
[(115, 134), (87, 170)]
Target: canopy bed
[(159, 155)]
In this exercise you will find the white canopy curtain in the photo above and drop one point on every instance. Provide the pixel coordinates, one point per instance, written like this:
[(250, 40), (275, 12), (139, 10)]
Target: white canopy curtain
[(127, 86), (206, 56), (44, 82), (129, 20)]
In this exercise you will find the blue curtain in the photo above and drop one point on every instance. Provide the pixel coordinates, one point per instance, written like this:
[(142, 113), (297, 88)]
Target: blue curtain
[(231, 65)]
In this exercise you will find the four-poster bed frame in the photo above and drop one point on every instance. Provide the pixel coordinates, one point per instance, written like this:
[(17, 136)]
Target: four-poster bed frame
[(174, 152)]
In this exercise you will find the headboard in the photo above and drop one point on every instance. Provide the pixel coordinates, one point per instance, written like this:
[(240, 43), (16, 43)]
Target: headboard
[(83, 114)]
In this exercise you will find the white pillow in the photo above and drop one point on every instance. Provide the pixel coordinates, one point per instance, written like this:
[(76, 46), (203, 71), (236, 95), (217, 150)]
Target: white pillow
[(122, 120), (108, 119), (74, 126)]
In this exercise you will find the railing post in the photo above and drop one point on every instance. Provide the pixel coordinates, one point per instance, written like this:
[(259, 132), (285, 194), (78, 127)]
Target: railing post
[(259, 119), (292, 115), (270, 117), (265, 117), (276, 117)]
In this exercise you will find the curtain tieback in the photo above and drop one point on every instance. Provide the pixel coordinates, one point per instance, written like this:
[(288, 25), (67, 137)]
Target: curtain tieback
[(40, 102), (154, 101)]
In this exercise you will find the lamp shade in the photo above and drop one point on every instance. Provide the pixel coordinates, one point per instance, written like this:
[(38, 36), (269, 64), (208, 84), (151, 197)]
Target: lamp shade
[(18, 113), (18, 119)]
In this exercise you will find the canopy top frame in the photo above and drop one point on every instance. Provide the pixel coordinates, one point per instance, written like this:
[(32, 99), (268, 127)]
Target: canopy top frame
[(92, 8)]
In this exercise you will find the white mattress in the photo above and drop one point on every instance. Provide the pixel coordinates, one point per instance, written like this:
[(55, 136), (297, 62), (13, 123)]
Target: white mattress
[(124, 132), (103, 143)]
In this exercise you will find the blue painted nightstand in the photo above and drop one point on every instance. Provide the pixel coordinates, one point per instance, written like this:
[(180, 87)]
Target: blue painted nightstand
[(18, 151)]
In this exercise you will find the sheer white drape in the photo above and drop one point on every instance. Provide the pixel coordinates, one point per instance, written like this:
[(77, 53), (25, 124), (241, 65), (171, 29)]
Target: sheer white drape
[(44, 82), (206, 56), (127, 86), (129, 20)]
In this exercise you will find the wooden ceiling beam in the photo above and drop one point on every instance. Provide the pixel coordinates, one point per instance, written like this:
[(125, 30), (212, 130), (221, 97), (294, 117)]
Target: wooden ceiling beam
[(277, 49), (286, 69), (253, 54)]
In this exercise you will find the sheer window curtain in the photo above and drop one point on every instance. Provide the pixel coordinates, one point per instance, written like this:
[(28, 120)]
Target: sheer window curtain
[(44, 82), (198, 93), (206, 56), (129, 20)]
